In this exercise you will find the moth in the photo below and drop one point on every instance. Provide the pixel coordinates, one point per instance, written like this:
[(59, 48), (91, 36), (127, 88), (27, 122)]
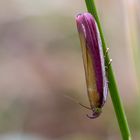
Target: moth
[(94, 63)]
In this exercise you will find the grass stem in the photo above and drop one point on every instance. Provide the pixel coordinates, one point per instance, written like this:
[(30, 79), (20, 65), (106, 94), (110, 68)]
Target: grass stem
[(114, 93)]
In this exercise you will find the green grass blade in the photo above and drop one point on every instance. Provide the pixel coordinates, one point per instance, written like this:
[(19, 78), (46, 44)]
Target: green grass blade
[(118, 107)]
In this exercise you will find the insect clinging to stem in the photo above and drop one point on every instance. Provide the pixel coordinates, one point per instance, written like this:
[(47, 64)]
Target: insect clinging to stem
[(94, 63)]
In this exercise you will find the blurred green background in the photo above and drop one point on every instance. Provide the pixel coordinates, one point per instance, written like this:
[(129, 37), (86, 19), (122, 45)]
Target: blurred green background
[(41, 69)]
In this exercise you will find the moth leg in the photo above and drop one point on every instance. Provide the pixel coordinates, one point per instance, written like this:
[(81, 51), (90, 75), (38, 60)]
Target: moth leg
[(106, 52), (108, 65), (107, 68), (110, 61)]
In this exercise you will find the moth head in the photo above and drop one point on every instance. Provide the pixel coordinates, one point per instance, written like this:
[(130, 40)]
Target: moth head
[(96, 113)]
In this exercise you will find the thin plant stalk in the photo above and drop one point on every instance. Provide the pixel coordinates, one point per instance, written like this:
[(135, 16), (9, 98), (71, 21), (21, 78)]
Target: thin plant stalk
[(114, 93)]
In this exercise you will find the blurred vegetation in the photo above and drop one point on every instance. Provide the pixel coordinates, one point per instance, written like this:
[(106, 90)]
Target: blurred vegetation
[(41, 63)]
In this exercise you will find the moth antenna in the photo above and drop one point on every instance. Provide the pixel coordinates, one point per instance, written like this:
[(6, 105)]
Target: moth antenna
[(77, 102), (72, 99), (85, 106)]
